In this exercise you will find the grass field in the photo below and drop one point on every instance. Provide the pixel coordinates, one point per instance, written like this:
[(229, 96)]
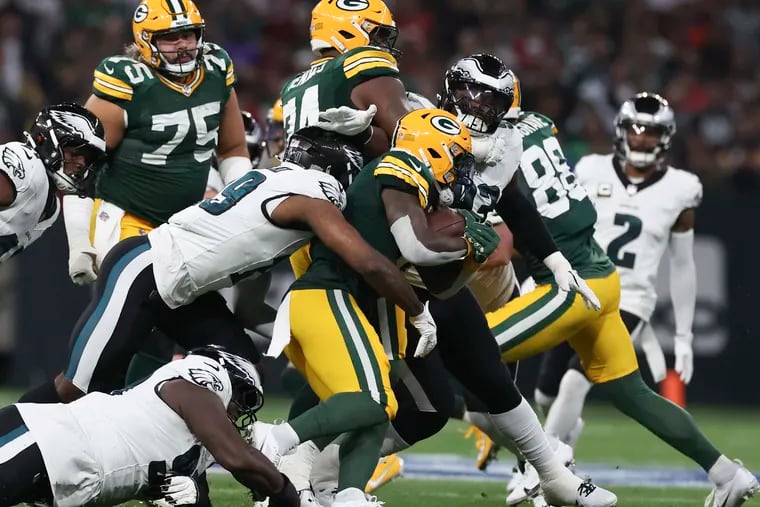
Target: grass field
[(609, 438)]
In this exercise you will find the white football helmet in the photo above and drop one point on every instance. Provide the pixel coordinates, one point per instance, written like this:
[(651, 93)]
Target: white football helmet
[(644, 112)]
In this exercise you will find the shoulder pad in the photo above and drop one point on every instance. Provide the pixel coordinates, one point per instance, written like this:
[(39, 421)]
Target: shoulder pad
[(216, 58), (405, 170), (369, 61), (692, 189), (206, 373), (116, 77), (22, 165)]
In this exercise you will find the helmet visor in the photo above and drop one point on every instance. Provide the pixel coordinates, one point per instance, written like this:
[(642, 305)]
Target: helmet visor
[(481, 101), (384, 37)]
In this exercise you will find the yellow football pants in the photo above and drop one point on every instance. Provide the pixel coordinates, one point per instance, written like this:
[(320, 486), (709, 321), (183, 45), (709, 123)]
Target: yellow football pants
[(335, 347), (545, 317)]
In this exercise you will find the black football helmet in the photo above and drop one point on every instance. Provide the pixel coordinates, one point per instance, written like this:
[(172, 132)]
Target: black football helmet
[(247, 392), (644, 112), (480, 90), (335, 154), (69, 125), (254, 138)]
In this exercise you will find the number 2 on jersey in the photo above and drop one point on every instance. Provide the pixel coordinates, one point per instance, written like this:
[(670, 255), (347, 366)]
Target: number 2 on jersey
[(233, 193), (633, 231)]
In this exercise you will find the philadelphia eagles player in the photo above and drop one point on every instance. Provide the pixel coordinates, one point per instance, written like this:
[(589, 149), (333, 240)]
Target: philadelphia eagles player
[(547, 316), (149, 442), (167, 105)]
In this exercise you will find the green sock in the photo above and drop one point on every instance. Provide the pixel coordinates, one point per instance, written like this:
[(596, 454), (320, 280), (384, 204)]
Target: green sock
[(341, 413), (668, 421), (358, 456), (303, 399), (142, 366)]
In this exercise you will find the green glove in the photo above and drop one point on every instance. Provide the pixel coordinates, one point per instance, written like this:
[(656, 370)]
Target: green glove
[(480, 235)]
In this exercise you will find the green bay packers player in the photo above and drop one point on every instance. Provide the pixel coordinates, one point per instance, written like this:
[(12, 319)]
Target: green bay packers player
[(334, 317), (167, 106), (546, 317)]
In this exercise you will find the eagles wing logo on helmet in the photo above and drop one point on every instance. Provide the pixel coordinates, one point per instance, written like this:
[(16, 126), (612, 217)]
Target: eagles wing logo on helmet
[(445, 125), (352, 5), (79, 124), (13, 161), (205, 378)]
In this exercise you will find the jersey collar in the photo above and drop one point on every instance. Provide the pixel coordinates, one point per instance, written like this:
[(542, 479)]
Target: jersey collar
[(634, 188)]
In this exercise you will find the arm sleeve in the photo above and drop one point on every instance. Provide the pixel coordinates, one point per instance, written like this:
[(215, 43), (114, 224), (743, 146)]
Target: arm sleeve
[(76, 217), (525, 222), (683, 280)]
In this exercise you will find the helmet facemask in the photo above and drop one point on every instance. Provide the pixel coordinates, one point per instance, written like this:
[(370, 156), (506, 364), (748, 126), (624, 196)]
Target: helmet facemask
[(384, 37), (185, 60), (644, 114)]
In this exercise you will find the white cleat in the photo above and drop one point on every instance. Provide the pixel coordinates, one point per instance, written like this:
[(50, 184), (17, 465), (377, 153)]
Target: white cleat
[(561, 492), (525, 487), (736, 491), (308, 499), (261, 438), (515, 481), (325, 492), (354, 497)]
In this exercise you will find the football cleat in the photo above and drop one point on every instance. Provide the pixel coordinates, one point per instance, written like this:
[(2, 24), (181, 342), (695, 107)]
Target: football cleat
[(261, 438), (354, 497), (526, 487), (388, 468), (325, 492), (571, 490), (308, 499), (487, 450), (736, 491), (516, 480)]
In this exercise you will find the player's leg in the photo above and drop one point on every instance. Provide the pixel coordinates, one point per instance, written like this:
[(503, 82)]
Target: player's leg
[(111, 329), (554, 364), (23, 477)]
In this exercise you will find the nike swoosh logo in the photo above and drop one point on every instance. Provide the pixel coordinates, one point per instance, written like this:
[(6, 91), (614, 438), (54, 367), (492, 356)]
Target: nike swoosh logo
[(109, 70)]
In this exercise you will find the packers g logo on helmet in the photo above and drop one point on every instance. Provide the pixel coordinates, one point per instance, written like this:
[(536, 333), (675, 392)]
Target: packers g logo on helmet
[(154, 18), (348, 24), (437, 138)]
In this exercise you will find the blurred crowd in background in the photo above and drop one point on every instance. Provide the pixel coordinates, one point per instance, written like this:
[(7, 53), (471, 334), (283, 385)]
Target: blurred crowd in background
[(577, 61)]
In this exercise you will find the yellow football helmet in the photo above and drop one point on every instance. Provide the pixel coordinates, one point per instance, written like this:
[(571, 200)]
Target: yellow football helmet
[(440, 140), (274, 135), (154, 18), (347, 24)]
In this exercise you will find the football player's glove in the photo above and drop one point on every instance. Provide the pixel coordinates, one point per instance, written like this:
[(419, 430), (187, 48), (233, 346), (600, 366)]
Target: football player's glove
[(346, 120), (425, 325), (480, 236), (684, 357), (568, 279), (175, 490), (82, 267)]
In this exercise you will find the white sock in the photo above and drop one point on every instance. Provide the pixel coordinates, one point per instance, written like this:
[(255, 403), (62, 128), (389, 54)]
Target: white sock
[(484, 422), (567, 408), (543, 401), (521, 425), (326, 465), (722, 471), (392, 442), (286, 437), (297, 466)]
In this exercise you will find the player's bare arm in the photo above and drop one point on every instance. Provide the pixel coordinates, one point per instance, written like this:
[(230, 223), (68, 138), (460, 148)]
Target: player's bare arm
[(338, 235), (207, 419), (389, 95), (112, 117), (685, 221), (231, 131), (525, 221), (419, 244)]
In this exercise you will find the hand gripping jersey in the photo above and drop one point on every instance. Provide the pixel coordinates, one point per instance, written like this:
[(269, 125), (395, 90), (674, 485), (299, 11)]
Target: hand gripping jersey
[(218, 241), (328, 83), (35, 207), (98, 449), (634, 222), (171, 133), (568, 213)]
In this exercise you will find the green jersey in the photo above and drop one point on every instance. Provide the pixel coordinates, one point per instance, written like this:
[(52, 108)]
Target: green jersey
[(568, 213), (366, 212), (329, 82), (162, 164)]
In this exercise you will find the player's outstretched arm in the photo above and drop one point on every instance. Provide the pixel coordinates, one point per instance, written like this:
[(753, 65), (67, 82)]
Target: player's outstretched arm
[(683, 291), (207, 419), (338, 235), (112, 117), (232, 150)]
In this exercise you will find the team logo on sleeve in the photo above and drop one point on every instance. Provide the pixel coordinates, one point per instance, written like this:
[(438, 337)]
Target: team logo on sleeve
[(206, 379), (13, 162), (352, 5), (446, 125)]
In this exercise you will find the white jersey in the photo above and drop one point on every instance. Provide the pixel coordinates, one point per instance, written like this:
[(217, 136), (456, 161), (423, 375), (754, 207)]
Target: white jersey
[(213, 244), (634, 222), (21, 223), (98, 449)]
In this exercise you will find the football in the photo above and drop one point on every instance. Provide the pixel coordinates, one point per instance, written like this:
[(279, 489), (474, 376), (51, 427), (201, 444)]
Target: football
[(447, 222)]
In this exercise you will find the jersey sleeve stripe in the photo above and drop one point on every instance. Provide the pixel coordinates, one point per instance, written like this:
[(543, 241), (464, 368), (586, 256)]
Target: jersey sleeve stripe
[(230, 80), (111, 90), (126, 87), (395, 172), (368, 64), (369, 53)]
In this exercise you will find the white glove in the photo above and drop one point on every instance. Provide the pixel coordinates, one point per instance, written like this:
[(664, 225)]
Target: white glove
[(82, 268), (177, 490), (568, 279), (491, 150), (684, 357), (346, 120), (425, 325)]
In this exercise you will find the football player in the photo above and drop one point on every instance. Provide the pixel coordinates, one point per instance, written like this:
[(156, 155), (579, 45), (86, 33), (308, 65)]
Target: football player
[(274, 133), (64, 150), (547, 316), (160, 279), (335, 319), (147, 442), (167, 105)]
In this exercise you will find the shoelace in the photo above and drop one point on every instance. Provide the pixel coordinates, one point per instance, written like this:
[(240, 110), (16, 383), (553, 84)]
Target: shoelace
[(586, 488)]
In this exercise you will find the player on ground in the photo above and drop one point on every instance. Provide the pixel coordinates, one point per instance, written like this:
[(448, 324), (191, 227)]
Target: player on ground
[(167, 105), (547, 316), (335, 318), (159, 279), (63, 150), (163, 432)]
